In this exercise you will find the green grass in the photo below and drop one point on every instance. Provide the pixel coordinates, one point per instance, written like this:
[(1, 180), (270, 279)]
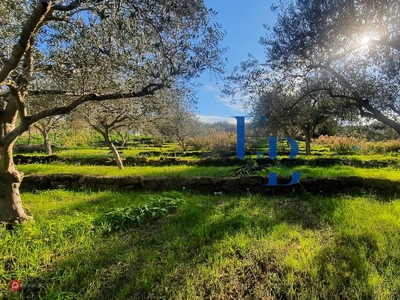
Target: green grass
[(182, 171), (213, 247), (185, 171), (105, 152), (336, 171)]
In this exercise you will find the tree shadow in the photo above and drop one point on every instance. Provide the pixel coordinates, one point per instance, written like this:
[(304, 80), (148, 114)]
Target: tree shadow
[(142, 263)]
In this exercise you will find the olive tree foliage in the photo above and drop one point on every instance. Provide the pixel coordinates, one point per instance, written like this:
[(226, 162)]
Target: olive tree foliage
[(356, 44), (35, 104), (273, 116), (179, 122), (221, 126), (45, 126), (279, 111), (281, 105), (114, 116), (79, 51)]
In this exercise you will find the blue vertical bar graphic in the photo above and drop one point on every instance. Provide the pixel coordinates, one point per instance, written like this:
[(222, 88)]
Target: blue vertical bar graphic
[(272, 179), (264, 119), (294, 148), (240, 138)]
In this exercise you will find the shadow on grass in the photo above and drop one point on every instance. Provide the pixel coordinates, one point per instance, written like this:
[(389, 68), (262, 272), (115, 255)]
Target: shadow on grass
[(155, 261)]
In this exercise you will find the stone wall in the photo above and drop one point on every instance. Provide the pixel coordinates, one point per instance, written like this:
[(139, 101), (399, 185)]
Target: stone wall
[(212, 162), (252, 184)]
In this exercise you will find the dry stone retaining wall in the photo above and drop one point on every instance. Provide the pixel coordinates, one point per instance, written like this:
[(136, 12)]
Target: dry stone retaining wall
[(166, 161), (253, 184)]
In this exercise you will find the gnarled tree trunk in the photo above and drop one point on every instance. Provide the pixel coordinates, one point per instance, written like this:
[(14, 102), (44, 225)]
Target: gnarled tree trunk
[(106, 134), (11, 208), (114, 151), (308, 142), (44, 129), (47, 143)]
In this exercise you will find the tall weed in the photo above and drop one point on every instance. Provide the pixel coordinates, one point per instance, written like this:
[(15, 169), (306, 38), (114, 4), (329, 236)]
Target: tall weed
[(348, 145)]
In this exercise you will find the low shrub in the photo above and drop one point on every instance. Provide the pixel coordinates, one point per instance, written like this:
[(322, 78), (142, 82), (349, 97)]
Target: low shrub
[(218, 143), (347, 145), (131, 217), (340, 145)]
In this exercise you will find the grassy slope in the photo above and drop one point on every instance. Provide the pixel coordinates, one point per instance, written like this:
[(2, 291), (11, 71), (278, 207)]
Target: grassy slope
[(215, 247)]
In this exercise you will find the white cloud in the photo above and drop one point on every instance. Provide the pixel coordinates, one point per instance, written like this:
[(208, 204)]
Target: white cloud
[(214, 89), (211, 88), (227, 102), (213, 119)]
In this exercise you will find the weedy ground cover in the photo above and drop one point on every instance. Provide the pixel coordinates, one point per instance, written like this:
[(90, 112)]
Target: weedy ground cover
[(392, 173), (182, 171), (215, 247), (185, 171)]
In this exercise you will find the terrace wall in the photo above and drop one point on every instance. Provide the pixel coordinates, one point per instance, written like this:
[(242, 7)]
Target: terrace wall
[(252, 184)]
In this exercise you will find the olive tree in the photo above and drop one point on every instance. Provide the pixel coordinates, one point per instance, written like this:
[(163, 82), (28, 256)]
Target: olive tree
[(354, 43), (91, 51), (110, 117), (36, 104), (178, 123), (293, 111)]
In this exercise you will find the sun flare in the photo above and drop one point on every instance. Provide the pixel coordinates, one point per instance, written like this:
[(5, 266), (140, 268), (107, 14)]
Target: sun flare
[(365, 39)]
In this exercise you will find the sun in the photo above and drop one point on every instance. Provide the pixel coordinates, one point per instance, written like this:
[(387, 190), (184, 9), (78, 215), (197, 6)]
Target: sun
[(365, 39)]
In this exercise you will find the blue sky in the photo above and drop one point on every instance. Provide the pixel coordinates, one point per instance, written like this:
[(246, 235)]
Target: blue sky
[(243, 22)]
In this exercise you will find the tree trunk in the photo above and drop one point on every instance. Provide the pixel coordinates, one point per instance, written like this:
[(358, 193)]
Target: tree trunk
[(114, 150), (308, 142), (46, 139), (110, 144), (29, 137), (116, 155), (183, 145), (11, 209), (47, 143)]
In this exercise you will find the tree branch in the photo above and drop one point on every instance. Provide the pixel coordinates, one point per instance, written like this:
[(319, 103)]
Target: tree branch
[(97, 129), (15, 92), (147, 90), (343, 80), (74, 4), (362, 103), (394, 44), (397, 111), (118, 120), (34, 21), (54, 92)]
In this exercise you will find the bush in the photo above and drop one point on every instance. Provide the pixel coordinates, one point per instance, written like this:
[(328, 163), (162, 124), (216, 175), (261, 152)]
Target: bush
[(346, 145), (385, 147), (215, 141), (131, 217), (340, 145)]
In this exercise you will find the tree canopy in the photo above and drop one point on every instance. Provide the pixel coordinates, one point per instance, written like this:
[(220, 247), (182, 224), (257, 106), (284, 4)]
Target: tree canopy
[(356, 44), (349, 50), (72, 52)]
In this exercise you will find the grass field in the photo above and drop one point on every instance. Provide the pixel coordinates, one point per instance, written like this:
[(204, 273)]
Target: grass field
[(185, 171), (109, 245), (182, 171), (212, 247)]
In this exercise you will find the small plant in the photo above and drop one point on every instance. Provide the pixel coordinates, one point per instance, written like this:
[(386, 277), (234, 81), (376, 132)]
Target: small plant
[(249, 168), (131, 217)]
